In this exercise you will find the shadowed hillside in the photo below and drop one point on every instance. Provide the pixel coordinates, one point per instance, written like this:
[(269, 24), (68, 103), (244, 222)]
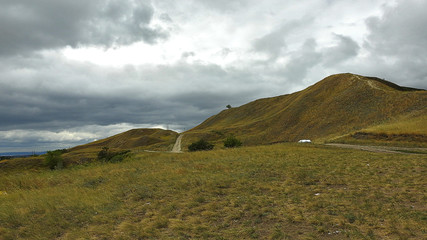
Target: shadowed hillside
[(337, 105), (135, 139)]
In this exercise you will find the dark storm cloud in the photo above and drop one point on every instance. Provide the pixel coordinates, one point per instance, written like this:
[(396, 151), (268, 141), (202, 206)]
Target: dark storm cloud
[(28, 25), (69, 94)]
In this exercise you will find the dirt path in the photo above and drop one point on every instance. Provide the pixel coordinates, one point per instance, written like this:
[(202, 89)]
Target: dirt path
[(380, 149), (177, 147)]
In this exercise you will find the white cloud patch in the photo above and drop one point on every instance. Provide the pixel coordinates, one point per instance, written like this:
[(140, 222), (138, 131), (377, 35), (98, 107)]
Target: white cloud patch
[(20, 136)]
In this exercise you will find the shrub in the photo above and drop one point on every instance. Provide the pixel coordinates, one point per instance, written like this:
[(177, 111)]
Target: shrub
[(119, 156), (103, 155), (54, 159), (106, 155), (201, 145), (232, 142)]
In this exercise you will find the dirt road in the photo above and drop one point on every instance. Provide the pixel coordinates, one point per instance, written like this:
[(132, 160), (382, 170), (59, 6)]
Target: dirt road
[(177, 147), (381, 149)]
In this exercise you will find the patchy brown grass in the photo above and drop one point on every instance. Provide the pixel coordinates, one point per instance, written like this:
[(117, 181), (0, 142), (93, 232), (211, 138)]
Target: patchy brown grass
[(282, 191)]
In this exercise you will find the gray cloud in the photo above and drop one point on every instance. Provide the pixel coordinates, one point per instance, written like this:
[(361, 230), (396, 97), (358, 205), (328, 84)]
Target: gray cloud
[(302, 60), (400, 26), (397, 44), (346, 48), (27, 25), (68, 94), (274, 43), (224, 5)]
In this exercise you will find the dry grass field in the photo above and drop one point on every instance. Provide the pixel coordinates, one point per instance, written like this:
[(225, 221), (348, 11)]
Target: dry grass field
[(281, 191)]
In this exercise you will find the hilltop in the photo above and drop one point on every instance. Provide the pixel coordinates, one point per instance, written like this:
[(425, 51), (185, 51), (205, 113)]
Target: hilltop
[(338, 105)]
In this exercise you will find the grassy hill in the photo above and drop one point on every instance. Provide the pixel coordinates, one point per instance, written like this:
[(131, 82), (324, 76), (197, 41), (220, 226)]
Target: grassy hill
[(338, 105)]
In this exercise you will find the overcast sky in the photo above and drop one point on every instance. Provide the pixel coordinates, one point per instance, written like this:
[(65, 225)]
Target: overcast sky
[(73, 71)]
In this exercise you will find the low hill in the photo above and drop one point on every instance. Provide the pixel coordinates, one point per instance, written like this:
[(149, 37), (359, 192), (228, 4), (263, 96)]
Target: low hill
[(135, 139), (337, 105)]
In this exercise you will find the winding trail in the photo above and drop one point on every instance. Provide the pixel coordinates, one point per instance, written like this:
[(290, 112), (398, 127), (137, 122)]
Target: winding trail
[(177, 147)]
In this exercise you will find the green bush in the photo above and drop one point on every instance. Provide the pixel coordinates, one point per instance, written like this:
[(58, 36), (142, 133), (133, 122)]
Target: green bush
[(232, 142), (201, 145), (106, 155), (120, 156), (103, 155), (54, 159)]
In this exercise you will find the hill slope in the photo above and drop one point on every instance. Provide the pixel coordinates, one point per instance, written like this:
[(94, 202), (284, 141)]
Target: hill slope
[(337, 105), (135, 139)]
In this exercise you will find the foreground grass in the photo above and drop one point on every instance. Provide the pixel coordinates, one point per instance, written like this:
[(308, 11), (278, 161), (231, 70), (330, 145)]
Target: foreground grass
[(281, 191)]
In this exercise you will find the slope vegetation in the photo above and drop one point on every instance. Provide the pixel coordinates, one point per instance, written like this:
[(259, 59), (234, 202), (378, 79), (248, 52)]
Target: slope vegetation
[(338, 105), (135, 139)]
